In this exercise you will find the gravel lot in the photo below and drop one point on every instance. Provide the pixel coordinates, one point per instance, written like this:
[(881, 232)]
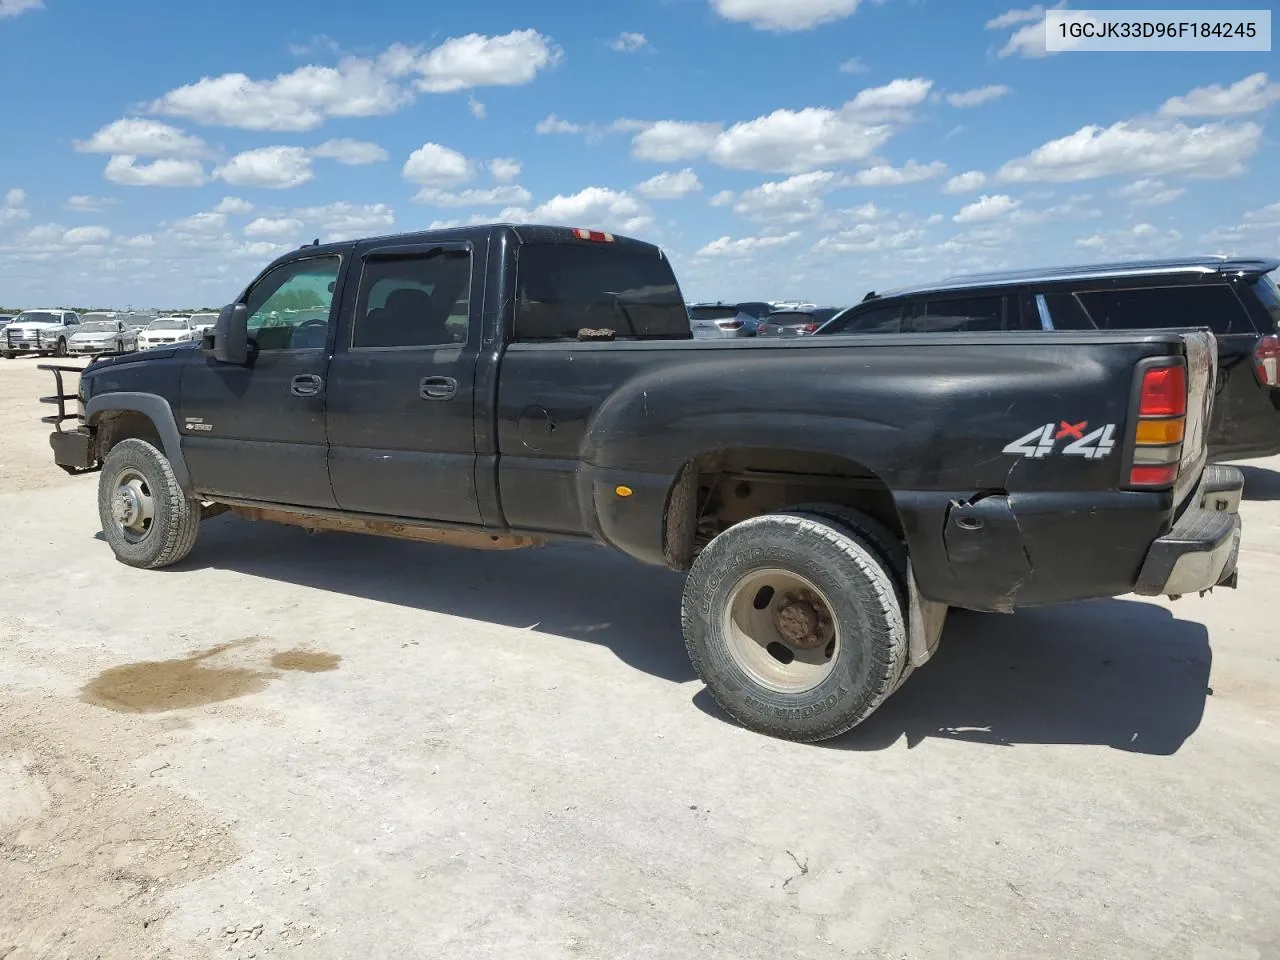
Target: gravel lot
[(337, 747)]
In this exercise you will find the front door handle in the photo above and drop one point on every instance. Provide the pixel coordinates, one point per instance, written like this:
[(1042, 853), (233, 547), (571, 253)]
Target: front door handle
[(306, 385), (438, 388)]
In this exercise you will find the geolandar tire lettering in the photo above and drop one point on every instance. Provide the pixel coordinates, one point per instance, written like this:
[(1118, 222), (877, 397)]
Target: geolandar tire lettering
[(794, 623), (146, 519)]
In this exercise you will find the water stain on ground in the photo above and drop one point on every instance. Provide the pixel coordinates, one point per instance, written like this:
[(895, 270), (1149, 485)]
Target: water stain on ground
[(159, 686), (306, 661)]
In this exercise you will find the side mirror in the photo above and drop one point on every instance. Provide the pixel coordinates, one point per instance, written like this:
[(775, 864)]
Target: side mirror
[(231, 335)]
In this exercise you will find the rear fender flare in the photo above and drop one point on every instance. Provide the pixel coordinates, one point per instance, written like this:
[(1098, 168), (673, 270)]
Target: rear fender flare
[(157, 410)]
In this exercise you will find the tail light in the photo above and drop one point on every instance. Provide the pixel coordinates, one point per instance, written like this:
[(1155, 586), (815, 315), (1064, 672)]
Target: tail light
[(729, 324), (1266, 360), (810, 328), (1160, 427), (597, 236)]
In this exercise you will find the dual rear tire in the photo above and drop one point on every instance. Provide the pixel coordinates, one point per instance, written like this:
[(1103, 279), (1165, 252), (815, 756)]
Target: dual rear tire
[(794, 621)]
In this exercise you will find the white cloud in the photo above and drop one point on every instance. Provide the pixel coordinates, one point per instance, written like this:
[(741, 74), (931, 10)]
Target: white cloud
[(722, 199), (891, 101), (11, 8), (1250, 95), (206, 224), (353, 153), (1149, 192), (345, 221), (85, 236), (82, 203), (884, 175), (966, 182), (477, 108), (793, 200), (295, 101), (275, 168), (1142, 238), (513, 59), (142, 138), (438, 166), (505, 169), (977, 96), (670, 185), (629, 42), (14, 207), (1209, 151), (1259, 230), (554, 124), (877, 232), (745, 246), (141, 241), (165, 172), (233, 205), (593, 207), (280, 228), (854, 65), (1027, 40), (986, 208), (670, 140), (506, 195), (782, 16)]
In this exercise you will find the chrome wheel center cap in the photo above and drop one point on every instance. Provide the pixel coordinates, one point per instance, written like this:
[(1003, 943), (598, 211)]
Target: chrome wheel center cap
[(125, 507)]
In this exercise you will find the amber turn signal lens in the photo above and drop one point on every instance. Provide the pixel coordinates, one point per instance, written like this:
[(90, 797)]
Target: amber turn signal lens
[(623, 491), (1160, 431)]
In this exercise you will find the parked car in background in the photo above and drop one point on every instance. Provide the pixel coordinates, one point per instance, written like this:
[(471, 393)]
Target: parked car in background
[(5, 318), (102, 336), (202, 323), (1233, 297), (796, 322), (166, 330), (138, 320), (713, 321), (41, 332)]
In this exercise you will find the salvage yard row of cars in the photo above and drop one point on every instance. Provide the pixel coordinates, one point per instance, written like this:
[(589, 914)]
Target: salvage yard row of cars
[(63, 333)]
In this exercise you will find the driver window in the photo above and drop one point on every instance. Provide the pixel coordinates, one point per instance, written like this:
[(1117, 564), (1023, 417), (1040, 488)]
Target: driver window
[(413, 301), (289, 307)]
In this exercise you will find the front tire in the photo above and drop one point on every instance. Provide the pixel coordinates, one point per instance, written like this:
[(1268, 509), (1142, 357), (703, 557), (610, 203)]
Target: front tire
[(146, 519), (794, 623), (61, 349), (8, 355)]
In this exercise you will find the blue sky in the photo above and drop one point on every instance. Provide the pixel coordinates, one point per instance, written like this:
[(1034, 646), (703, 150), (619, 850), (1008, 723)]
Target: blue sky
[(157, 153)]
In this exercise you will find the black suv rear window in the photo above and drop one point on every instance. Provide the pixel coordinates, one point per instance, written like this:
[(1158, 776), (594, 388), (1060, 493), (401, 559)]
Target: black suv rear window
[(564, 288), (1151, 308), (713, 313)]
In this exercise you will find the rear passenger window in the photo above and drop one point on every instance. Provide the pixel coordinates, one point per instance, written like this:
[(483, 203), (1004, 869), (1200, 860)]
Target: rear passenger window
[(961, 315), (1152, 308), (416, 301), (1054, 311), (887, 319), (564, 288)]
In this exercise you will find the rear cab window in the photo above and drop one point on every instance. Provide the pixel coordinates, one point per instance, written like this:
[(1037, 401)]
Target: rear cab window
[(959, 315), (562, 288)]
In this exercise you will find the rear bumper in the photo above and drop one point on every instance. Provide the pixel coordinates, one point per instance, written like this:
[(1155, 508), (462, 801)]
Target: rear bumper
[(1202, 549)]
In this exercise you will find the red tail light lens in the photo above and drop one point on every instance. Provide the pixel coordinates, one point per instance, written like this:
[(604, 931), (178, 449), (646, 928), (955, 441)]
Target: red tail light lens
[(729, 324), (1164, 392), (1157, 476), (810, 328), (1266, 360)]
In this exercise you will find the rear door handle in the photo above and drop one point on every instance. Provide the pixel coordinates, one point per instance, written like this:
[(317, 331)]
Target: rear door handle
[(438, 388), (306, 385)]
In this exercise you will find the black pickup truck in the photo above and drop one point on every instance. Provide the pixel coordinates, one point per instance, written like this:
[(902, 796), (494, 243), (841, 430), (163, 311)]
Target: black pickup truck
[(500, 386)]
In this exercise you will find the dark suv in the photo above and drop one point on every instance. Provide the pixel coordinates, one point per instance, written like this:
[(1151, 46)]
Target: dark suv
[(1232, 297)]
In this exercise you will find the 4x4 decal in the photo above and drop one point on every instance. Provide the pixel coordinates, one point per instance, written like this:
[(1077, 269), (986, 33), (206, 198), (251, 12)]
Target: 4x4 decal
[(1042, 441)]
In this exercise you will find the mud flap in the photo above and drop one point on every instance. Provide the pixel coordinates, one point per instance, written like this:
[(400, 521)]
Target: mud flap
[(925, 620)]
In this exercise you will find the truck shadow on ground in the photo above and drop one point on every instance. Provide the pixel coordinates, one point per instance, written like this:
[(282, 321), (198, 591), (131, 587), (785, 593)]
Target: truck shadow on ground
[(566, 589), (1260, 483), (1119, 673)]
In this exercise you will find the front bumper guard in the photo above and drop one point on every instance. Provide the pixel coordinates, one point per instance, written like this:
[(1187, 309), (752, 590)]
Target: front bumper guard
[(1203, 548)]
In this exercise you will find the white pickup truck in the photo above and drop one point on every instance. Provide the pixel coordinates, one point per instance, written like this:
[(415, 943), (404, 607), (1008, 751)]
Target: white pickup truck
[(43, 332)]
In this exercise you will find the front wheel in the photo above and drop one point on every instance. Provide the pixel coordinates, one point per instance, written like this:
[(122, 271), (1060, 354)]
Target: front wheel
[(8, 355), (793, 621), (119, 346), (61, 349), (146, 519)]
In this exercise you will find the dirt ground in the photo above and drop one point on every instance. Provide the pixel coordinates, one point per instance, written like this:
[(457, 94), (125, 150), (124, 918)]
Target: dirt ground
[(334, 746)]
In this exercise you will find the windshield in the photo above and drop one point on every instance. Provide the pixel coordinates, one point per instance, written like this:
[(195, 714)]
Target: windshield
[(168, 324), (98, 326), (37, 316), (1266, 290)]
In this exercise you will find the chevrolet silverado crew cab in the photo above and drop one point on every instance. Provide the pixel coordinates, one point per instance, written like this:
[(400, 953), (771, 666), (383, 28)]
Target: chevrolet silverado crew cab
[(1232, 296), (830, 498)]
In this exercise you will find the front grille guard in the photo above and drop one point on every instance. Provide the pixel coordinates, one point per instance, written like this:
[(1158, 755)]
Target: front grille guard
[(60, 398)]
